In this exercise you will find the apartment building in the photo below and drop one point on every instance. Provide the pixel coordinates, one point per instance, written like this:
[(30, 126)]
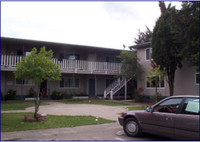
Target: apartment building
[(85, 69)]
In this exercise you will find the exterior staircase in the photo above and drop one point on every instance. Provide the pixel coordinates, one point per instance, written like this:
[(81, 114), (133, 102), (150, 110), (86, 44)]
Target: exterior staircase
[(113, 88)]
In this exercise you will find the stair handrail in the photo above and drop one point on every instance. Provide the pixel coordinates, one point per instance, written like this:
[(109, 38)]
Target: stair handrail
[(114, 88)]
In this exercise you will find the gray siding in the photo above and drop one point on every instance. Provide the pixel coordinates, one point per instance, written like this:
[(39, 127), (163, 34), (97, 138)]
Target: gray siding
[(184, 79)]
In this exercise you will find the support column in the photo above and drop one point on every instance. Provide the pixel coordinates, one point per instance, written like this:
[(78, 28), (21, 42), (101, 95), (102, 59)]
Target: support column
[(125, 92), (111, 95), (95, 79)]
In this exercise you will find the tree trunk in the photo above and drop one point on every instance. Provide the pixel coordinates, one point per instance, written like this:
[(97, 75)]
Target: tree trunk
[(37, 101), (171, 75)]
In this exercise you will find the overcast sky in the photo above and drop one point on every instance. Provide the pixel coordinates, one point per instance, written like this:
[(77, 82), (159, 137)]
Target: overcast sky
[(102, 24)]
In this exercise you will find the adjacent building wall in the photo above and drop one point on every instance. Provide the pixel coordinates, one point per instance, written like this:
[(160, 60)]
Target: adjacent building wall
[(184, 78)]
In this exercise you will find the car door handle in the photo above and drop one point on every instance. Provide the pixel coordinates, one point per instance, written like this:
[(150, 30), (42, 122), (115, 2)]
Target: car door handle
[(168, 118)]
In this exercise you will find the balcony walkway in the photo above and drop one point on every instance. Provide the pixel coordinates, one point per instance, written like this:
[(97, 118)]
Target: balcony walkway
[(8, 63)]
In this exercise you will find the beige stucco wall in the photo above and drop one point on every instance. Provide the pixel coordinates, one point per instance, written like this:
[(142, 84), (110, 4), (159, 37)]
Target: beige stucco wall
[(184, 79), (83, 86), (8, 83)]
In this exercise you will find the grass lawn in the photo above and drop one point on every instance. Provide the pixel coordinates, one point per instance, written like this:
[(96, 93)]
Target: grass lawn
[(15, 122), (137, 108), (96, 102), (17, 105)]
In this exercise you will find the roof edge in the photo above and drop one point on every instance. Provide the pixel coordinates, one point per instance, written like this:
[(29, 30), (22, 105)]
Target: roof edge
[(58, 43), (143, 45)]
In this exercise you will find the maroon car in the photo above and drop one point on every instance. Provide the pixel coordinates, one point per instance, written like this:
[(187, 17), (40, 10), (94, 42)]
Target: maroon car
[(176, 117)]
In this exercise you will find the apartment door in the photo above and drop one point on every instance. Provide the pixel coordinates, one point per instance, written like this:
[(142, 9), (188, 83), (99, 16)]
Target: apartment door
[(91, 88), (43, 89)]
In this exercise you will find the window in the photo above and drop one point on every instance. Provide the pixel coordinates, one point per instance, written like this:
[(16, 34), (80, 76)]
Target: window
[(156, 82), (112, 59), (24, 82), (69, 82), (191, 106), (197, 78), (27, 53), (148, 53), (19, 53), (169, 106), (69, 57)]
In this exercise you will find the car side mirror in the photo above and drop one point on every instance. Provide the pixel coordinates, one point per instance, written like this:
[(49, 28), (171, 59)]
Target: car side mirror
[(149, 109)]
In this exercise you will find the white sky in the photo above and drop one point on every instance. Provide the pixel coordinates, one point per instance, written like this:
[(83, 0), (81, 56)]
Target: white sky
[(103, 24)]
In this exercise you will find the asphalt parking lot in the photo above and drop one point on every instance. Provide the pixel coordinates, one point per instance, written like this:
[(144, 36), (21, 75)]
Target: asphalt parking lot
[(111, 131)]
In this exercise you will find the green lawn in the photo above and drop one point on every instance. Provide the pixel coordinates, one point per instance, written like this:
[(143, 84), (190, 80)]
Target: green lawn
[(137, 108), (96, 102), (17, 105), (15, 122)]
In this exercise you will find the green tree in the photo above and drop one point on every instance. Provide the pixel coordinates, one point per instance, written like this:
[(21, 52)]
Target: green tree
[(130, 66), (156, 75), (38, 67), (165, 49), (187, 32), (143, 36)]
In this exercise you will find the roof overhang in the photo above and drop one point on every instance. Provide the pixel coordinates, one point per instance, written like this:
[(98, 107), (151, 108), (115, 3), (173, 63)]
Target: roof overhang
[(49, 43), (143, 45)]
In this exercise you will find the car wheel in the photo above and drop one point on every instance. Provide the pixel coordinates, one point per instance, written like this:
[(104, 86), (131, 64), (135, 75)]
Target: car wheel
[(131, 127)]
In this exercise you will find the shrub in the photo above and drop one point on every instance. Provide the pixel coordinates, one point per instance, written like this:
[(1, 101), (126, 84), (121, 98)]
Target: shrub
[(1, 95), (81, 94), (32, 93), (156, 97), (138, 94), (10, 95), (68, 96), (57, 95)]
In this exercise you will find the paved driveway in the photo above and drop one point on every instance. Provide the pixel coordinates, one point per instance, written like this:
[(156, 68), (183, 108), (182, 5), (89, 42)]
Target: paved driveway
[(111, 131), (56, 108)]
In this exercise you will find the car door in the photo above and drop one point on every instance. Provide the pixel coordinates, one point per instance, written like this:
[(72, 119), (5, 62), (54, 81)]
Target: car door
[(161, 120), (187, 122)]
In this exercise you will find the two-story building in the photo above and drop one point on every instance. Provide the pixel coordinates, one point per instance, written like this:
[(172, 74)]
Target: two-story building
[(85, 69), (186, 79)]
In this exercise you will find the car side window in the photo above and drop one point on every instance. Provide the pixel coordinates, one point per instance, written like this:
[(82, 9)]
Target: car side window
[(168, 106), (191, 106)]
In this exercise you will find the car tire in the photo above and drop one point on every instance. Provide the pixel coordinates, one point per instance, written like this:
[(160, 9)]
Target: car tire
[(131, 127)]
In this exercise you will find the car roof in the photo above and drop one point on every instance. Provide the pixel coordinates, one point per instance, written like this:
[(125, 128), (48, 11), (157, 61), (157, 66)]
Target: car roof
[(184, 96)]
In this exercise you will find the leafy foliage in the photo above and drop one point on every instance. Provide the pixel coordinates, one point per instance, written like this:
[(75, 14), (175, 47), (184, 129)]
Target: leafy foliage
[(165, 49), (138, 94), (38, 67), (10, 95), (143, 36), (156, 97), (155, 74), (57, 95), (187, 32), (130, 66), (176, 38)]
